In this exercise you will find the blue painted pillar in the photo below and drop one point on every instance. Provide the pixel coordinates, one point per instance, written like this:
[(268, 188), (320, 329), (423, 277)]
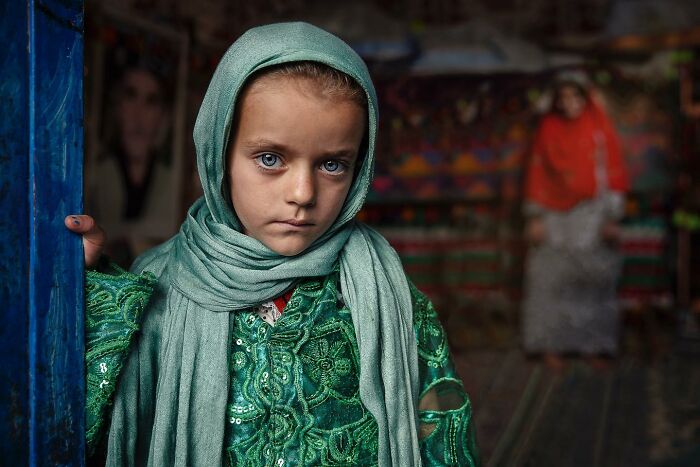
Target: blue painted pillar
[(42, 383)]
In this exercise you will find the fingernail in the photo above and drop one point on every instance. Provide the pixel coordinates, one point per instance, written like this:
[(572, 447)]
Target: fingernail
[(76, 221)]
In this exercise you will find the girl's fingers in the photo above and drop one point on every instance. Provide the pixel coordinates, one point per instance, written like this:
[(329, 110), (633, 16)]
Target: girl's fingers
[(94, 237), (79, 223)]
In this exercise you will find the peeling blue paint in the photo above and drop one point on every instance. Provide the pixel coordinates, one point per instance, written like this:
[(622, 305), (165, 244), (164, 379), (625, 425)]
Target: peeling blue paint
[(41, 292), (14, 231)]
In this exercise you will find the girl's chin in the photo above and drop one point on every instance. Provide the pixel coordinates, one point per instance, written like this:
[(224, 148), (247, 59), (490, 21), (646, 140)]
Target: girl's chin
[(288, 247)]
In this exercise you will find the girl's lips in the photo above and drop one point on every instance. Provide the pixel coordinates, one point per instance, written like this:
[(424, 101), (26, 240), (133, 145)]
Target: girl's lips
[(296, 223)]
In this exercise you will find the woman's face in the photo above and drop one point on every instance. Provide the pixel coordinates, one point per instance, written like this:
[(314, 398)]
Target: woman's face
[(570, 102), (141, 113)]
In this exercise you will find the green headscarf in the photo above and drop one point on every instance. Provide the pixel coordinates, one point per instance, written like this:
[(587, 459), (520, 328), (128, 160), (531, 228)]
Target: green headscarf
[(171, 402)]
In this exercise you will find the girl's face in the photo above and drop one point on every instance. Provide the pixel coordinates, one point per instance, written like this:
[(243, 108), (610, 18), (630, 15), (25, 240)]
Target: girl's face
[(570, 101), (291, 161)]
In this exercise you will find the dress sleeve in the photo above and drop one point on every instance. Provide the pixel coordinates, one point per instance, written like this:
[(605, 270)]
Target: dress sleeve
[(114, 302), (447, 434)]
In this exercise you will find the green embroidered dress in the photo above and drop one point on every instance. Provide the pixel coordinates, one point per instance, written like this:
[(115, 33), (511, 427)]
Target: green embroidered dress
[(294, 394)]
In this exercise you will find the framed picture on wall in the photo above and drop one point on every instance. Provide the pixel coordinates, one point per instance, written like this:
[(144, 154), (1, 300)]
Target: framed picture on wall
[(135, 122)]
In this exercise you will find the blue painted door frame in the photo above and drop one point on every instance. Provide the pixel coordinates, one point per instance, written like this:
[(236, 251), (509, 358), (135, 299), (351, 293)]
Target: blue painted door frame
[(42, 383)]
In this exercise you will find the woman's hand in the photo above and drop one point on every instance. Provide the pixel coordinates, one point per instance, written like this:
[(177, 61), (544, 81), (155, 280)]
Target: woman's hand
[(611, 232), (94, 237), (535, 231)]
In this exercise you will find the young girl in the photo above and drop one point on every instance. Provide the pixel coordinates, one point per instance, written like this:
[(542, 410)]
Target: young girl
[(280, 331)]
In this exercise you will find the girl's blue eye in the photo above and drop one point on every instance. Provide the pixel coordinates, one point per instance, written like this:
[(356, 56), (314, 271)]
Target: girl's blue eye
[(332, 166), (268, 160)]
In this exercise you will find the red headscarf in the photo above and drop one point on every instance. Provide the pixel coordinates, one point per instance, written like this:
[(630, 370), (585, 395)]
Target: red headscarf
[(561, 172)]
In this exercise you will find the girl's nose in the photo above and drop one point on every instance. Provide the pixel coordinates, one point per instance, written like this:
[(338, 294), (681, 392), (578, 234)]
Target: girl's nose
[(302, 189)]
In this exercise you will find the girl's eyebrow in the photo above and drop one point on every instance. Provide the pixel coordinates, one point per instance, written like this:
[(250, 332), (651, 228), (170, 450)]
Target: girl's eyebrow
[(342, 154), (264, 144)]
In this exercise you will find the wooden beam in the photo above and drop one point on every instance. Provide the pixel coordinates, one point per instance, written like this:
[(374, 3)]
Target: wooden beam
[(14, 232), (43, 130)]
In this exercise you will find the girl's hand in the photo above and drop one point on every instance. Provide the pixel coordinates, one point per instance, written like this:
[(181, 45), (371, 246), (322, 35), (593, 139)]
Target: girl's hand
[(94, 237), (535, 231)]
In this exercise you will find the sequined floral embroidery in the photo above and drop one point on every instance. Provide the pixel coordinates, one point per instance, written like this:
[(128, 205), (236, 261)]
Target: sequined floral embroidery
[(325, 362), (115, 300), (294, 394)]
